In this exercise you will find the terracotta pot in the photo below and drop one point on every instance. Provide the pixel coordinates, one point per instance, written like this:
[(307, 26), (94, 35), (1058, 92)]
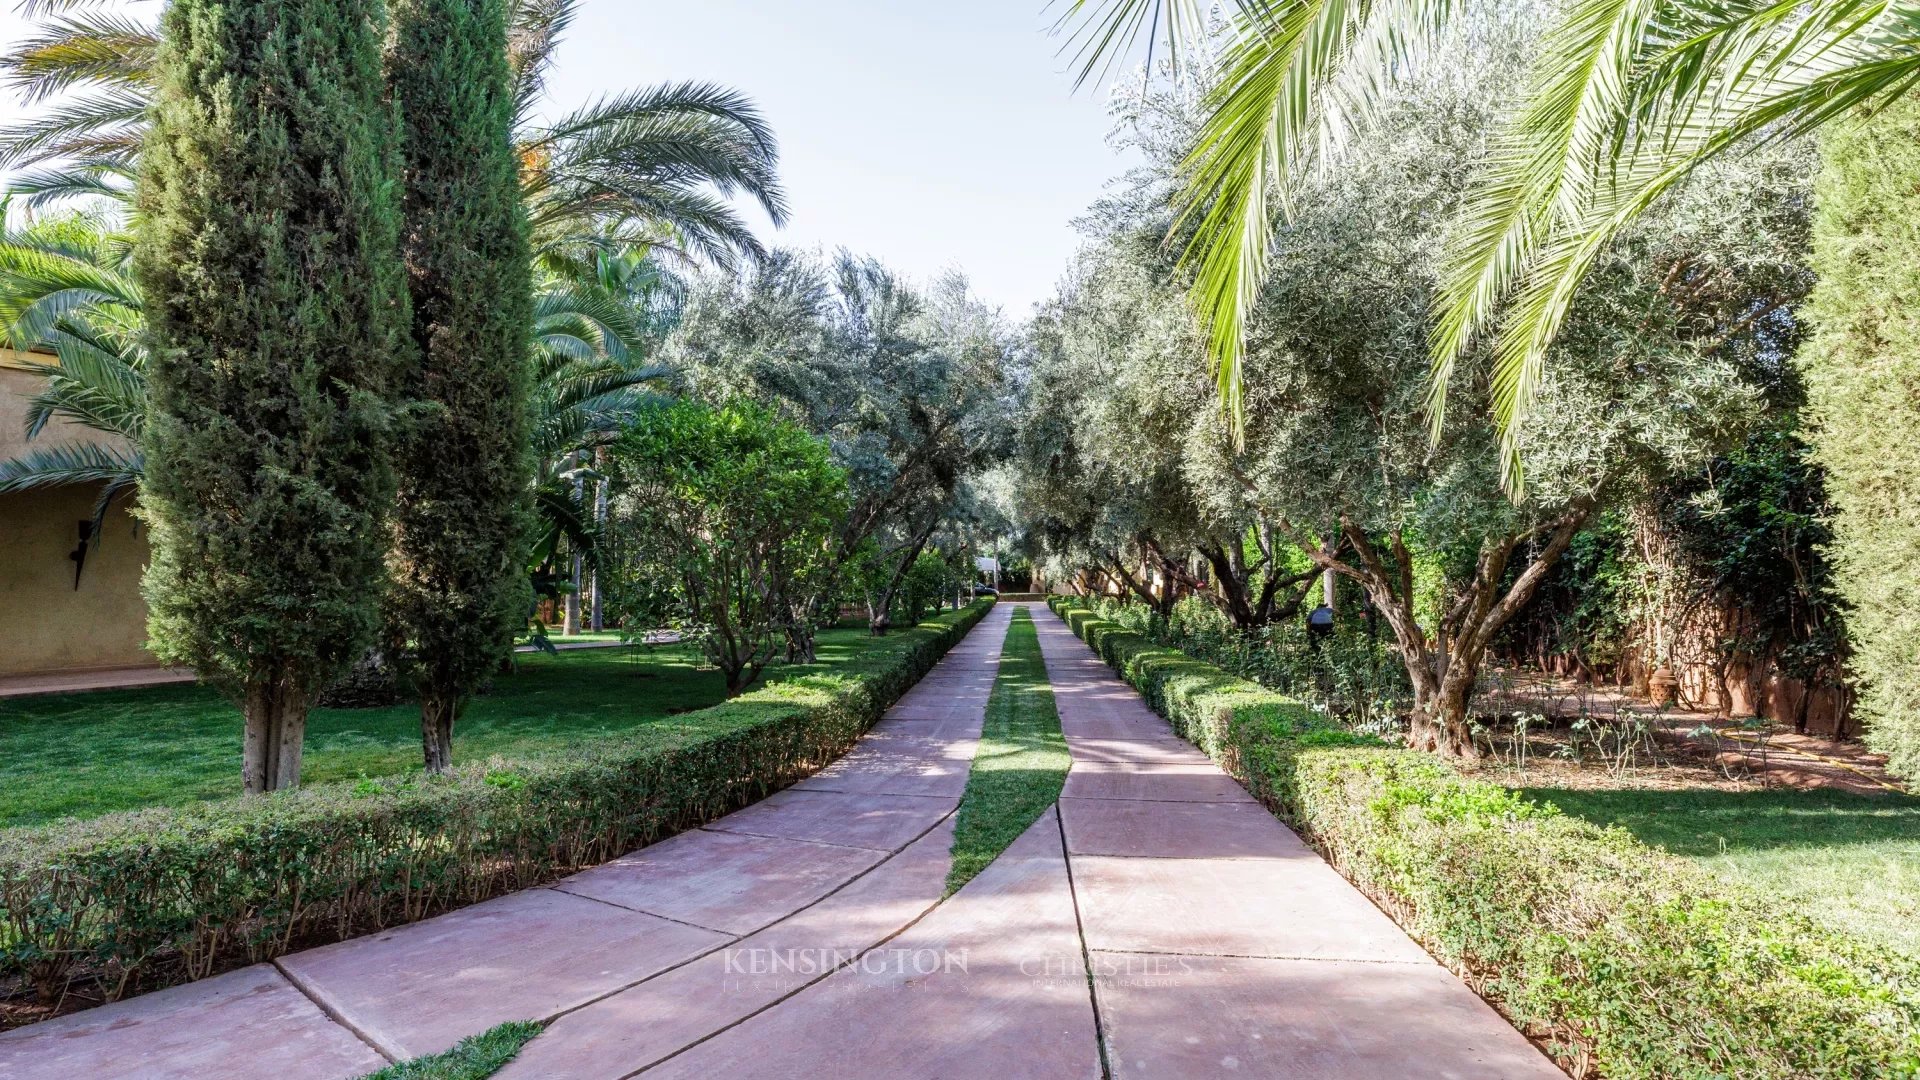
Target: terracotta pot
[(1663, 687)]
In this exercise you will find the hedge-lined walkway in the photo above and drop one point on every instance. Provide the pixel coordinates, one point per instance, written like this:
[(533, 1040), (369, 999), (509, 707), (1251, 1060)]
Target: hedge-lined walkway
[(1221, 945), (806, 936)]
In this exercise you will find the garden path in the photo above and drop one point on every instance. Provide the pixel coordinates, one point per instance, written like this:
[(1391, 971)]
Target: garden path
[(807, 935)]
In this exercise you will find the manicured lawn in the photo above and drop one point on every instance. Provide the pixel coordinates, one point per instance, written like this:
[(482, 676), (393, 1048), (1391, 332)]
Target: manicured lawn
[(475, 1057), (93, 753), (1022, 761), (1850, 861)]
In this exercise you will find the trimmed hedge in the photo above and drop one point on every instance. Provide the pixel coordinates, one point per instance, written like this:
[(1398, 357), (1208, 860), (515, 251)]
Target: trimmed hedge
[(168, 895), (1623, 960)]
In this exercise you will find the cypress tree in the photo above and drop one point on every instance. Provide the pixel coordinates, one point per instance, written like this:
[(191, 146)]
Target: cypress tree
[(268, 259), (1862, 369), (460, 519)]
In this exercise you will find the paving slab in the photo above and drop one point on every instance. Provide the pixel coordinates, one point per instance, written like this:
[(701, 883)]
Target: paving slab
[(1177, 830), (244, 1024), (1106, 723), (1285, 907), (1197, 1017), (1139, 748), (975, 711), (894, 763), (945, 697), (880, 822), (638, 1027), (1152, 781), (991, 984), (723, 881), (1076, 718), (931, 728), (420, 988)]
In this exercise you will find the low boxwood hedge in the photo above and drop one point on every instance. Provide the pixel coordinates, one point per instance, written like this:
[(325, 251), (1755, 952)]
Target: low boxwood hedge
[(1623, 960), (156, 897)]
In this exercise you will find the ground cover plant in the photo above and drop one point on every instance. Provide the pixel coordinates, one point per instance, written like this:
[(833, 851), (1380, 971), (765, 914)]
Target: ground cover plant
[(475, 1057), (1623, 960), (88, 754), (1022, 760)]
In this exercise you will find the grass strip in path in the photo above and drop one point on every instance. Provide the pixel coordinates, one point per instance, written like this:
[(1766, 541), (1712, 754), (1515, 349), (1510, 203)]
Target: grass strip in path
[(475, 1057), (1022, 761)]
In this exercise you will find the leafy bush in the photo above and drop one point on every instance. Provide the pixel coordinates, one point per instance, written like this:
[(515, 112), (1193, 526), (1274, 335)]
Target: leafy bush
[(1625, 961), (163, 896), (1351, 675)]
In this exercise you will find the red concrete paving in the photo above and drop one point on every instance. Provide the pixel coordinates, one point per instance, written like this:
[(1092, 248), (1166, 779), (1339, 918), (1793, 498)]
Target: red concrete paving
[(1153, 780), (991, 984), (73, 682), (721, 880), (1180, 830), (1156, 907), (1220, 944), (640, 1026), (1302, 1020), (880, 822), (891, 761), (420, 988), (238, 1026)]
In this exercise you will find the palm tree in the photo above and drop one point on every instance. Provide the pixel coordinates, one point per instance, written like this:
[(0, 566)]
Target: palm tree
[(656, 167), (67, 286), (596, 318), (1628, 97)]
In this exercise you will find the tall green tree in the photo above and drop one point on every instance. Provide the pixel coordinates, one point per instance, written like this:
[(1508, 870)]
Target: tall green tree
[(267, 259), (1624, 101), (461, 521), (655, 167), (1862, 369), (1664, 363), (732, 515)]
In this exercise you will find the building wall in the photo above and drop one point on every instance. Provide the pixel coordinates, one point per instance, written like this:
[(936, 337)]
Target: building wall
[(45, 623)]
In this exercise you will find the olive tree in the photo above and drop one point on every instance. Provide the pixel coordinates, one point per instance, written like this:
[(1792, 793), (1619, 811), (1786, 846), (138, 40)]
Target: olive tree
[(1671, 344), (1101, 477), (907, 387), (267, 257), (1665, 358)]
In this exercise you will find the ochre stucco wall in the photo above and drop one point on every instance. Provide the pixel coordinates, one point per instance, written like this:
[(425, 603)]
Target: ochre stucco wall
[(45, 624)]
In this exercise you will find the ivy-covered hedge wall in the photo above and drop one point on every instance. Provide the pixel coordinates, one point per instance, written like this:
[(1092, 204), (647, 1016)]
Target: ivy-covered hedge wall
[(156, 897), (1625, 961)]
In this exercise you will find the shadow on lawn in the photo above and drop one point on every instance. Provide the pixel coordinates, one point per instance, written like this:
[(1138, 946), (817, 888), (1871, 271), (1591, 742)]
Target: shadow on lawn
[(1702, 823)]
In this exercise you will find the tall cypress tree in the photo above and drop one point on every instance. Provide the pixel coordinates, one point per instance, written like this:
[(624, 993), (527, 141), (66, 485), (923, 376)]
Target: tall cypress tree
[(460, 587), (268, 258), (1862, 367)]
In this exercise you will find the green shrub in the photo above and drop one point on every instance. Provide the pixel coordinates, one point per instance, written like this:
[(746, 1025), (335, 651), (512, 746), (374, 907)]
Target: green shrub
[(168, 895), (1625, 961)]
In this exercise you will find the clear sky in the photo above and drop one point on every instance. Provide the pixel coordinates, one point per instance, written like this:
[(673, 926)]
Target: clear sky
[(931, 134)]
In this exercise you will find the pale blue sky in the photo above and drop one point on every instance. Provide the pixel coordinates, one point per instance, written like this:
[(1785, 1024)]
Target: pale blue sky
[(931, 134)]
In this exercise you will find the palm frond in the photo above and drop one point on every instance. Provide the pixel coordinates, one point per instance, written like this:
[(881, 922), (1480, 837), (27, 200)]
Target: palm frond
[(61, 466), (1704, 83), (91, 125), (89, 48)]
